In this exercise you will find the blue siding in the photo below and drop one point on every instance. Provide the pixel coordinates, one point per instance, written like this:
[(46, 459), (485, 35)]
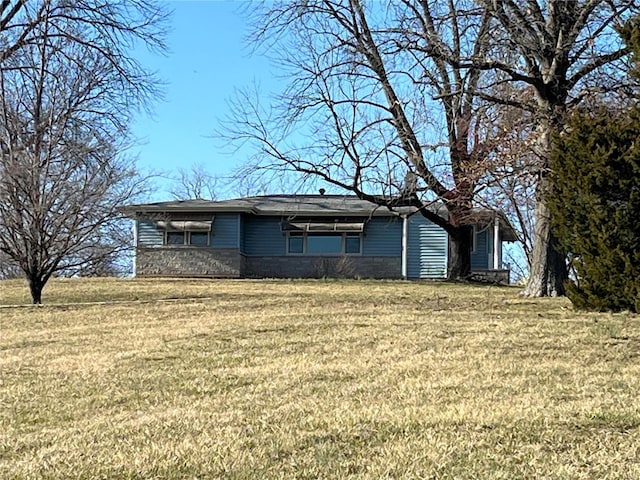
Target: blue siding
[(480, 256), (383, 237), (263, 236), (241, 229), (225, 231), (427, 249), (148, 234)]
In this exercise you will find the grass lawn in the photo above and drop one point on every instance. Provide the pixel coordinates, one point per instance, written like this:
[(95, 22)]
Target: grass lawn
[(313, 380)]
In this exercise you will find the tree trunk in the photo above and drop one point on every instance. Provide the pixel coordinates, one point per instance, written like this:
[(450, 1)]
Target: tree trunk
[(460, 253), (548, 269), (36, 286)]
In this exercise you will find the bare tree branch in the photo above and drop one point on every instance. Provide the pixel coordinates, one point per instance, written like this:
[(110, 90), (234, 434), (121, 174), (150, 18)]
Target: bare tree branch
[(65, 102)]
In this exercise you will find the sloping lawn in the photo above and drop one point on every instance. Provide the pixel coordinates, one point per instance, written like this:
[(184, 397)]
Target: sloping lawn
[(313, 380)]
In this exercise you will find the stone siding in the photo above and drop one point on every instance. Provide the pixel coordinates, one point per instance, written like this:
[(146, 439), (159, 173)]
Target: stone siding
[(318, 267), (189, 262), (500, 277)]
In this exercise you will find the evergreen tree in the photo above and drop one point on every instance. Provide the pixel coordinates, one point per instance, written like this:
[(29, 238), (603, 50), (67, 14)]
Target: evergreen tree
[(596, 206)]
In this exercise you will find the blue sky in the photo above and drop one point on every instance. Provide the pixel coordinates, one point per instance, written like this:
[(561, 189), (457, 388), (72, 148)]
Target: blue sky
[(208, 59)]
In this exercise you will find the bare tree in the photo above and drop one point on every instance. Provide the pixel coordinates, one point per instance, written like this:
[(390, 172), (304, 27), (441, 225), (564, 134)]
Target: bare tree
[(564, 52), (108, 28), (511, 171), (376, 105), (194, 182), (66, 92)]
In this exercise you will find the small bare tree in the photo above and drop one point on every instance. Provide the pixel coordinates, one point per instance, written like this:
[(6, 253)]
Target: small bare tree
[(194, 182), (66, 93)]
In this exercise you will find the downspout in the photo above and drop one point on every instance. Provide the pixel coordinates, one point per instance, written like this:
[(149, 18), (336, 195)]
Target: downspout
[(497, 250), (135, 246), (405, 242)]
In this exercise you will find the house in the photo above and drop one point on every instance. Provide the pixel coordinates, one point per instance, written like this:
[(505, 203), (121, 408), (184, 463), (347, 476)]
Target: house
[(300, 236)]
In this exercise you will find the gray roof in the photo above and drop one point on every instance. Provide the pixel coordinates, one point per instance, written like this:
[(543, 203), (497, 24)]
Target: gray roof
[(303, 205), (312, 205)]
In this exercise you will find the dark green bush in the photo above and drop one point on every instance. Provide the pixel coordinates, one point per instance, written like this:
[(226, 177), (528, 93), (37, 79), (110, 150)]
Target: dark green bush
[(596, 207)]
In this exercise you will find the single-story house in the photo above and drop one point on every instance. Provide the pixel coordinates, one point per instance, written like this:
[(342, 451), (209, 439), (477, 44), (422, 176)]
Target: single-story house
[(299, 236)]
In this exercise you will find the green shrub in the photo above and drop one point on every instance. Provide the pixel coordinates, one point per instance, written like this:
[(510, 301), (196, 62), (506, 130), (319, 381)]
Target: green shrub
[(596, 207)]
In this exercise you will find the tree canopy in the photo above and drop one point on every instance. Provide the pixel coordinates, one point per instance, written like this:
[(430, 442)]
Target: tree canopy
[(68, 87)]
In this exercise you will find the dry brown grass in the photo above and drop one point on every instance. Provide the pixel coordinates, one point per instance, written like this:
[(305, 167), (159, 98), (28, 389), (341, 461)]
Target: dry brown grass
[(312, 379)]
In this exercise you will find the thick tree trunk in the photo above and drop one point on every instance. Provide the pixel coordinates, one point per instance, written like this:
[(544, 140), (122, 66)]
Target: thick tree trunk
[(548, 269), (460, 253), (35, 287)]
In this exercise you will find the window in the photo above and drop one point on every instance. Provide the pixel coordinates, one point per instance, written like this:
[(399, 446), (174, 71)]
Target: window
[(195, 230), (175, 238), (197, 239), (324, 243), (200, 239)]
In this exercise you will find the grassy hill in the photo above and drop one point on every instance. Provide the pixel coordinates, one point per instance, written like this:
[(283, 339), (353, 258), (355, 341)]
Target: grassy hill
[(311, 379)]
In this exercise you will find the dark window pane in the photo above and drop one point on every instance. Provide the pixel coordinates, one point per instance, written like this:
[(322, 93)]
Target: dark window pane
[(175, 238), (200, 239), (324, 244), (296, 243), (352, 244)]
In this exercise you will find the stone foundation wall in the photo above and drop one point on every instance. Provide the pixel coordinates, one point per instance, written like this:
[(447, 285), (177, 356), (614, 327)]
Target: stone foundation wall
[(491, 276), (318, 267), (189, 262)]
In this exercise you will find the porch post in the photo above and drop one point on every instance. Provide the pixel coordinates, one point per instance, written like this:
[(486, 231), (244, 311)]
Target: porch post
[(497, 245)]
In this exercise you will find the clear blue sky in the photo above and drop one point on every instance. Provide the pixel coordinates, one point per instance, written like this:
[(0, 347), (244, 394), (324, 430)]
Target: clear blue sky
[(208, 58)]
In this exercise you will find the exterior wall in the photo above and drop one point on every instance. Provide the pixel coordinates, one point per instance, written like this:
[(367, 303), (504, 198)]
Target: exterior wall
[(319, 266), (226, 231), (189, 262), (264, 245), (382, 237), (427, 249), (148, 234), (250, 246), (482, 256), (263, 236)]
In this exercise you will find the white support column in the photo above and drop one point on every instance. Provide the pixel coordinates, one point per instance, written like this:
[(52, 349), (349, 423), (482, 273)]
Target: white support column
[(405, 243), (497, 244), (135, 246)]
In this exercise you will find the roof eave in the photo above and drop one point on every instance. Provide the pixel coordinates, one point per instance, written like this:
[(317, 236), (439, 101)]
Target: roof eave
[(135, 210)]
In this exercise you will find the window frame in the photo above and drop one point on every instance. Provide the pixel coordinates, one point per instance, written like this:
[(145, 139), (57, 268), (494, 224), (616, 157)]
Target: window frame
[(172, 244), (305, 236), (191, 244), (186, 242)]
